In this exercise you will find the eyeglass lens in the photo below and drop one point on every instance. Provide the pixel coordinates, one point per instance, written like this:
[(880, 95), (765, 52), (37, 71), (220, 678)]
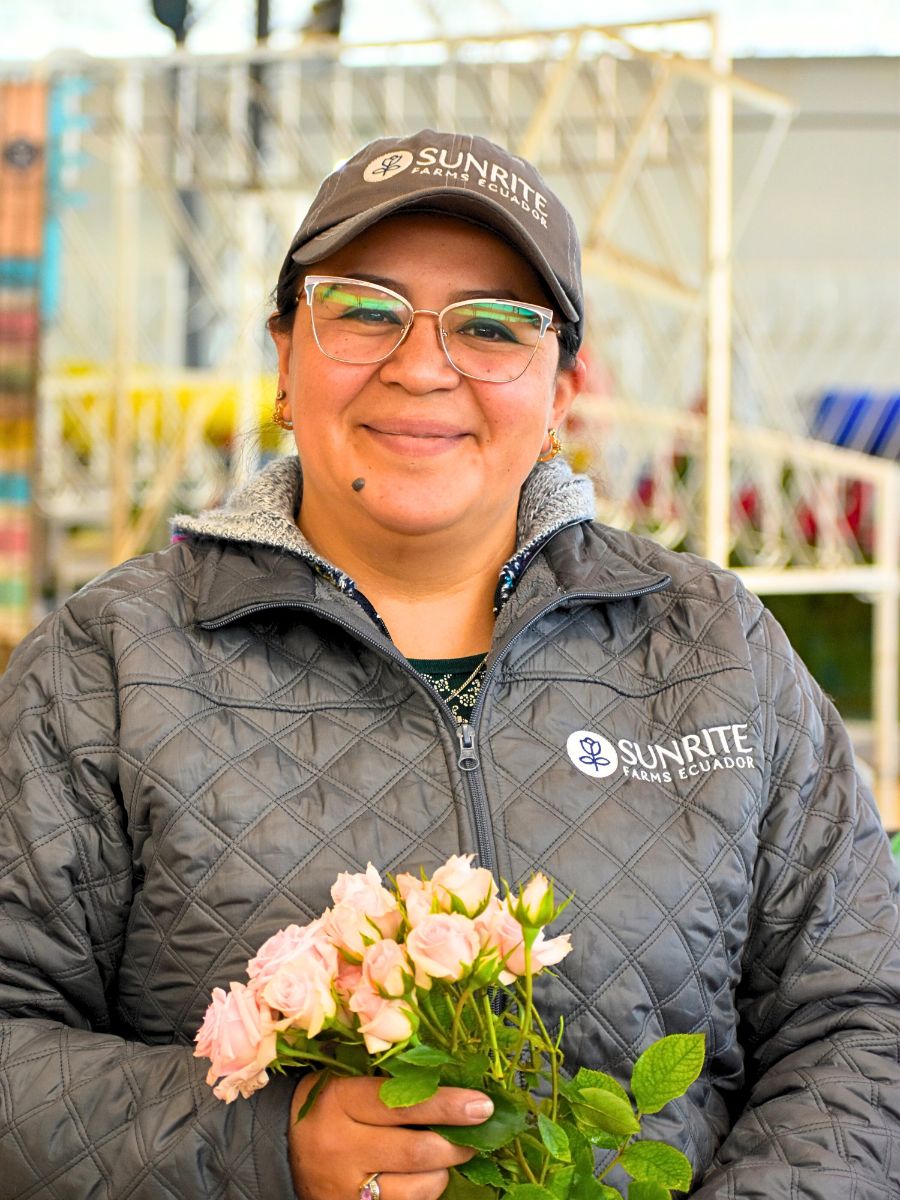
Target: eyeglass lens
[(486, 339)]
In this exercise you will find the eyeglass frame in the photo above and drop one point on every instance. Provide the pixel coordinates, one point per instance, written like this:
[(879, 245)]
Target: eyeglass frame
[(546, 315)]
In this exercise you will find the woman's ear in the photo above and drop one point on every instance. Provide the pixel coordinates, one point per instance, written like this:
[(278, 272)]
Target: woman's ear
[(569, 384), (283, 343)]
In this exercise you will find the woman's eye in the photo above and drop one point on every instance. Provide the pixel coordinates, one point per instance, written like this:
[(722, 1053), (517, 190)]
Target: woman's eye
[(372, 316), (489, 331)]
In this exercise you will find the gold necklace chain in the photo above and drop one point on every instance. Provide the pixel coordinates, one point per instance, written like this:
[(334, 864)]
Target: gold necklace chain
[(466, 682)]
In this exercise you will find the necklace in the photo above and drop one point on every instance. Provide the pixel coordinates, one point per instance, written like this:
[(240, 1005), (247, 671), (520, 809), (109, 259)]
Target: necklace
[(467, 682), (460, 699)]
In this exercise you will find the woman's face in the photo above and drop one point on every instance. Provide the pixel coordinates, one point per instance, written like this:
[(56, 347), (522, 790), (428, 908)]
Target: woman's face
[(435, 448)]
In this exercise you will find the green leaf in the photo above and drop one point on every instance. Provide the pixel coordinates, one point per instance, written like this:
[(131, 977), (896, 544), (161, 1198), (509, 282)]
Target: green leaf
[(593, 1189), (667, 1069), (554, 1138), (655, 1162), (440, 1006), (605, 1141), (560, 1181), (425, 1056), (582, 1154), (586, 1078), (353, 1055), (313, 1094), (482, 1169), (508, 1036), (648, 1191), (585, 1186), (602, 1110), (460, 1188), (292, 1042), (528, 1191), (409, 1086), (470, 1071), (506, 1121)]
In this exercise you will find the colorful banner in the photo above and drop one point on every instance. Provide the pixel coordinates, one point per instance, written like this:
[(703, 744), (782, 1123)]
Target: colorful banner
[(23, 120)]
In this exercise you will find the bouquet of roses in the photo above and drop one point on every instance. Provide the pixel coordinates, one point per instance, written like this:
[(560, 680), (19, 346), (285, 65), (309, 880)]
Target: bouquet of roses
[(429, 982)]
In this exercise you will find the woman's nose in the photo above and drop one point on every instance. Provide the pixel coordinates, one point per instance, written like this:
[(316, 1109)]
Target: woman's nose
[(419, 364)]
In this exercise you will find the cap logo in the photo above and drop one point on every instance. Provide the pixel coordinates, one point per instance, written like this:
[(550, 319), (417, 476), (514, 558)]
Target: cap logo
[(387, 165)]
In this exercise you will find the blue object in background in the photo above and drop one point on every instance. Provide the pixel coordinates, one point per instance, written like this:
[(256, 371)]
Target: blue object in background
[(65, 157), (867, 421), (19, 272)]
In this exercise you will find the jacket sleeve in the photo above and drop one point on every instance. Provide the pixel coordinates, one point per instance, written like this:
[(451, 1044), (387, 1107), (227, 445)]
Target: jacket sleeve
[(84, 1112), (819, 998)]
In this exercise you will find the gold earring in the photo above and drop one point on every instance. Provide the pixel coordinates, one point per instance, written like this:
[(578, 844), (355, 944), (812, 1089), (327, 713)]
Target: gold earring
[(278, 416), (555, 447)]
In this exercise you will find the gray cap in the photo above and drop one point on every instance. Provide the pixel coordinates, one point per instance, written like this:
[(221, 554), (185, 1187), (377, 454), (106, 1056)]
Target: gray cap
[(456, 173)]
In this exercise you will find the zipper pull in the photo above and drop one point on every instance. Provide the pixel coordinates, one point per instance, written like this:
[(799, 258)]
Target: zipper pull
[(468, 757)]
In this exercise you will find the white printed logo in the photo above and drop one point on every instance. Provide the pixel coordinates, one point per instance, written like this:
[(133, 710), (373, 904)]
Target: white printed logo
[(726, 747), (592, 754), (387, 165)]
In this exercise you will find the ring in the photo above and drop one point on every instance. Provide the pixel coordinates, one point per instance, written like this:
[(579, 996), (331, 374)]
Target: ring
[(369, 1189)]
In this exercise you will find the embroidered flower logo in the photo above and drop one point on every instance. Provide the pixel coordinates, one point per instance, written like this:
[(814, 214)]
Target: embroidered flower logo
[(387, 165), (592, 753)]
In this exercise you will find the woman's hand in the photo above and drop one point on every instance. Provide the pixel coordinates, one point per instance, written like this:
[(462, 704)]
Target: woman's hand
[(349, 1134)]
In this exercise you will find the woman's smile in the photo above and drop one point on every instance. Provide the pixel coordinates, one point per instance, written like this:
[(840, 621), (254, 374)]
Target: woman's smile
[(414, 436)]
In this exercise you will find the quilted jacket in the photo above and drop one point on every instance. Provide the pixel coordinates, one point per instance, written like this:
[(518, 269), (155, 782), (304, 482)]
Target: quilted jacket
[(200, 740)]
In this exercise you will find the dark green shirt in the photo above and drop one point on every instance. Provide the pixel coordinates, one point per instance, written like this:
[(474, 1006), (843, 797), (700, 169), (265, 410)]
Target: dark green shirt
[(458, 680)]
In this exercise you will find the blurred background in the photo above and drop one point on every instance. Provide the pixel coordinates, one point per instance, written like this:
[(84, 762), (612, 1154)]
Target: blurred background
[(736, 179)]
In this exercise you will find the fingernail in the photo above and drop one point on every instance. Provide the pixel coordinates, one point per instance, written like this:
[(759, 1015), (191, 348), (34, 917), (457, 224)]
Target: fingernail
[(479, 1110)]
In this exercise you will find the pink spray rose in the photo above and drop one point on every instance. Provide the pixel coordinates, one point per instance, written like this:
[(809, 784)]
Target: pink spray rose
[(238, 1037), (386, 969), (301, 990), (383, 1023), (472, 886), (535, 906), (294, 941), (545, 952), (347, 980), (364, 911), (501, 934), (418, 898), (442, 946)]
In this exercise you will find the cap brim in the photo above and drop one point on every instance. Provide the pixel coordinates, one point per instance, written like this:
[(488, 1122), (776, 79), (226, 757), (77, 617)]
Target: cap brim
[(481, 210)]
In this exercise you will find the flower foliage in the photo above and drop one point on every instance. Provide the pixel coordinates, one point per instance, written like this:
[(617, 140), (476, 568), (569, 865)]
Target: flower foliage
[(429, 982)]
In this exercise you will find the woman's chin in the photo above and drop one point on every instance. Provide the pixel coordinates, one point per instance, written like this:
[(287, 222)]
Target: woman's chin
[(416, 520)]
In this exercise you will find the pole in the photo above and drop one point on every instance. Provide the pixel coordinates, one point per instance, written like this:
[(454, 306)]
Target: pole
[(127, 241), (719, 300)]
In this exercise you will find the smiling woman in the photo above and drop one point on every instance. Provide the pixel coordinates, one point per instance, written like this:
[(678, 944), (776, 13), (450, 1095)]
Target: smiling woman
[(384, 397), (406, 641)]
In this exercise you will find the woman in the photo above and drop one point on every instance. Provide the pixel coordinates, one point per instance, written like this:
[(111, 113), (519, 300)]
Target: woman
[(412, 640)]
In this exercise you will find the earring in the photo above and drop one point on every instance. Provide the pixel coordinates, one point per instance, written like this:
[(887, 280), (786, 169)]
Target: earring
[(278, 416), (555, 447)]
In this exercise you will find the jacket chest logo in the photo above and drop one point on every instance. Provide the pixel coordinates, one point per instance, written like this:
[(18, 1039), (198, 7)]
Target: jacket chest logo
[(716, 748), (592, 753)]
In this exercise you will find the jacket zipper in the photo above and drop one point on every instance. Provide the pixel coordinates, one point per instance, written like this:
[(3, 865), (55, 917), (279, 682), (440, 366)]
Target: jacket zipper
[(467, 733), (468, 759)]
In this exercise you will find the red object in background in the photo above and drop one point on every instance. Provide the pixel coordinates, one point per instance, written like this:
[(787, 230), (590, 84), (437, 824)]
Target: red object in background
[(14, 539)]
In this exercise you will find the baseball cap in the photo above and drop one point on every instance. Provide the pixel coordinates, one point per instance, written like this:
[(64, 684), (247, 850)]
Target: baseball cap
[(463, 175)]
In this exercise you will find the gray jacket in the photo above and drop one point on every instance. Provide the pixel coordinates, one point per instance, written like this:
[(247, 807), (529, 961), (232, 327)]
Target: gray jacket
[(196, 744)]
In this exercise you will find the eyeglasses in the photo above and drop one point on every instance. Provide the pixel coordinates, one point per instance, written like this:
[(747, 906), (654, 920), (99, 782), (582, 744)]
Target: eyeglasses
[(487, 339)]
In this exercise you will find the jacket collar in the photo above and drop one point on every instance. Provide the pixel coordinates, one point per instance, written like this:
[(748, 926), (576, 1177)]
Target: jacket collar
[(261, 518)]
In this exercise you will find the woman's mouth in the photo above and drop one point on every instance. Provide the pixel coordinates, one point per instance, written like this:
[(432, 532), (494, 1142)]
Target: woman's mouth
[(416, 438)]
